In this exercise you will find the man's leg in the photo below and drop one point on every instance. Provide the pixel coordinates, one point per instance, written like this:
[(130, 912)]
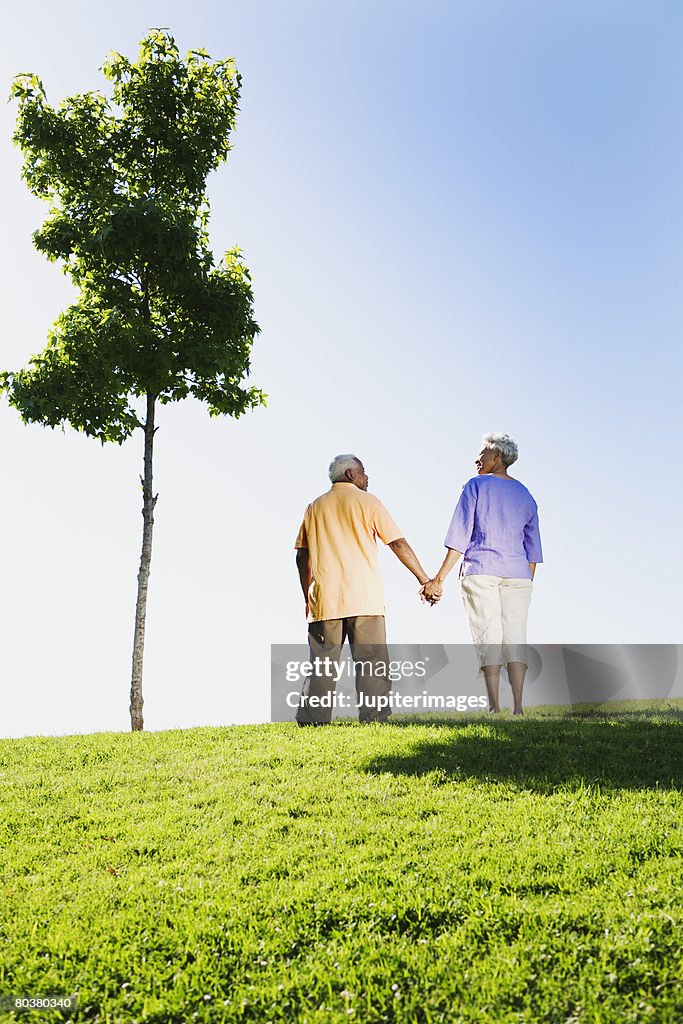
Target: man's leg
[(515, 598), (325, 641), (368, 640), (481, 598)]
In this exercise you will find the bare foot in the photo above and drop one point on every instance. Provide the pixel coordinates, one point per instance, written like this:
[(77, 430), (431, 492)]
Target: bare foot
[(518, 711)]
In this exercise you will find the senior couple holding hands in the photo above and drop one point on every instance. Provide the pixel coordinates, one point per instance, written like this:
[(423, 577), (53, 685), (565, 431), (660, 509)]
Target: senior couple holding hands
[(494, 529)]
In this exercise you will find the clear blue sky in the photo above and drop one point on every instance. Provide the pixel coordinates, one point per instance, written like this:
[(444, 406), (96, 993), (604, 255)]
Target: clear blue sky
[(460, 217)]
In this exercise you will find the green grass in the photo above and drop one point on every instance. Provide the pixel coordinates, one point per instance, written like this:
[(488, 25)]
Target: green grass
[(478, 869)]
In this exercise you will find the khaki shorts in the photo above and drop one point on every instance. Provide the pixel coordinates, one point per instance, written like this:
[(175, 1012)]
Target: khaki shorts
[(497, 608)]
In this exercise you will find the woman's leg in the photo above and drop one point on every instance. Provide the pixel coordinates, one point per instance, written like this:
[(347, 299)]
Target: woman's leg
[(515, 598), (480, 595), (492, 677), (516, 674)]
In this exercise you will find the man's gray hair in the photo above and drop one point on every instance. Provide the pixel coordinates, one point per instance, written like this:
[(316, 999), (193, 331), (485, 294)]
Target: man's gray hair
[(339, 465), (503, 443)]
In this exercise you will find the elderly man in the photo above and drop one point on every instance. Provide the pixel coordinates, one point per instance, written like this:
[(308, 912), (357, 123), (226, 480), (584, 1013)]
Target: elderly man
[(342, 585)]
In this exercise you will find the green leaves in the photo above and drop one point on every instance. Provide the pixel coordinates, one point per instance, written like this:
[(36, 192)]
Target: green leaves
[(79, 377), (126, 179), (27, 86), (183, 111)]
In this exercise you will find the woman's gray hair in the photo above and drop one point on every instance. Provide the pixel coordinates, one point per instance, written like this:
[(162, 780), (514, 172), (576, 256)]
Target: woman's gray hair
[(503, 443), (339, 465)]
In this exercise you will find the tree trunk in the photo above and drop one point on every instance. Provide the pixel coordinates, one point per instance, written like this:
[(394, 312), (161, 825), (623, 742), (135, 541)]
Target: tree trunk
[(149, 500)]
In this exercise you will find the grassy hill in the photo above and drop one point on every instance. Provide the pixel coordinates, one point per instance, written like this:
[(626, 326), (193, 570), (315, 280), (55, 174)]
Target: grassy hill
[(464, 869)]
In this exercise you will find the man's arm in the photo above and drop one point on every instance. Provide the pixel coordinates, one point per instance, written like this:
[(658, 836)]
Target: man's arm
[(302, 564), (532, 567), (405, 554)]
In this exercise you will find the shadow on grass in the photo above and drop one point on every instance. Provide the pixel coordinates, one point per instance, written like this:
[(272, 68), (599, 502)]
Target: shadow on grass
[(623, 753)]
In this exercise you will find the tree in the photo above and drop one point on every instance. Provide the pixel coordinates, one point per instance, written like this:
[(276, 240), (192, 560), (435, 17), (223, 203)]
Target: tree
[(156, 318)]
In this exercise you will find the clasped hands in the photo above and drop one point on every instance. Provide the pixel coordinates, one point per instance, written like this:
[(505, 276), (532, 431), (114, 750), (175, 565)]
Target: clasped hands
[(431, 592)]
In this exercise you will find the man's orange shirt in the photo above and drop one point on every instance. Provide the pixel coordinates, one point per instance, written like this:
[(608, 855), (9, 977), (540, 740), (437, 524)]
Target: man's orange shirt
[(340, 530)]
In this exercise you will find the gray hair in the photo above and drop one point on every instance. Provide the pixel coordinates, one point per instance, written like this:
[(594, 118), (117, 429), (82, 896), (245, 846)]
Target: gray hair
[(503, 443), (339, 465)]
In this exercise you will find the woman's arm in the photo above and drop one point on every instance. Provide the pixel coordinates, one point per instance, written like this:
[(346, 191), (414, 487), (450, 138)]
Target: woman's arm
[(532, 541), (434, 588), (459, 533), (449, 563)]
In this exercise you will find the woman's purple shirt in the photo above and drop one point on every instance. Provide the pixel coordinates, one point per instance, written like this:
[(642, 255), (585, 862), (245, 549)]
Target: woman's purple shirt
[(495, 525)]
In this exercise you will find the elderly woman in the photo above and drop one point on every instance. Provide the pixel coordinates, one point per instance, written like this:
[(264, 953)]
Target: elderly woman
[(495, 529)]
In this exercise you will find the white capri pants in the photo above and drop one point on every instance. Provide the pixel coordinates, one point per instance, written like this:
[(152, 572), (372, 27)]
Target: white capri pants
[(496, 608)]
